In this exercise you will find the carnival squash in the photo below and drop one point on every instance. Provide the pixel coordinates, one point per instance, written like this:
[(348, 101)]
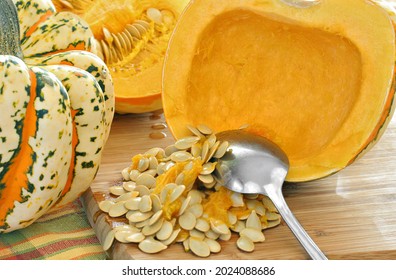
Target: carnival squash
[(56, 108), (131, 36), (315, 77)]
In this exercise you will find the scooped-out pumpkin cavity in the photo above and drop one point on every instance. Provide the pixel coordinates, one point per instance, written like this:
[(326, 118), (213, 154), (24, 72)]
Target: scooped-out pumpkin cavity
[(276, 63)]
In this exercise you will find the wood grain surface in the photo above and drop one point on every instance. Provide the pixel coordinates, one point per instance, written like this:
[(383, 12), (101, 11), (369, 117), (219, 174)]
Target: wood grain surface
[(350, 215)]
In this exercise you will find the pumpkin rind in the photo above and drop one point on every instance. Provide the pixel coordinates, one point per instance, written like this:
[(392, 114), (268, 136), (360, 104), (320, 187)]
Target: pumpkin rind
[(57, 106), (342, 129)]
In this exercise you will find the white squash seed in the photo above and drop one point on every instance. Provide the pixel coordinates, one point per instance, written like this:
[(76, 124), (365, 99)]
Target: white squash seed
[(245, 244), (151, 246)]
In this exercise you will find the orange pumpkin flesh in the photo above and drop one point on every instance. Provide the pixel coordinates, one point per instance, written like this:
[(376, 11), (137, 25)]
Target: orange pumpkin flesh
[(316, 81)]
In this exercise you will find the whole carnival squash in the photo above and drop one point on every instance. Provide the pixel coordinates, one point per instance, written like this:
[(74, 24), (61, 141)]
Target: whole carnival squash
[(56, 108), (131, 36), (315, 77)]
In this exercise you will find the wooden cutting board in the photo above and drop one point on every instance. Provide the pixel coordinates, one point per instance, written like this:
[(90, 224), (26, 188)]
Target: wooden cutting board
[(350, 215)]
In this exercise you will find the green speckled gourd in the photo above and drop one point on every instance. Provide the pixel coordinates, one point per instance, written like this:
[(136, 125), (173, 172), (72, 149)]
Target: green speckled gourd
[(56, 109)]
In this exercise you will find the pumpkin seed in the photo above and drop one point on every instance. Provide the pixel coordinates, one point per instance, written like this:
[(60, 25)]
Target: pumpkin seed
[(232, 218), (126, 196), (105, 205), (251, 196), (186, 244), (152, 229), (171, 238), (117, 209), (199, 247), (117, 190), (271, 216), (121, 235), (225, 237), (206, 179), (108, 241), (208, 168), (142, 224), (197, 234), (204, 129), (152, 172), (273, 223), (146, 180), (205, 150), (143, 164), (239, 226), (126, 227), (157, 205), (125, 173), (170, 150), (161, 168), (268, 204), (165, 231), (126, 37), (153, 163), (180, 156), (180, 179), (133, 31), (129, 186), (202, 225), (237, 199), (134, 174), (133, 203), (219, 227), (145, 204), (141, 28), (221, 150), (253, 221), (186, 142), (211, 234), (135, 237), (138, 216), (184, 205), (195, 131), (176, 193), (189, 166), (196, 150), (214, 246), (245, 244), (143, 23), (196, 210), (165, 193), (155, 217), (187, 221), (253, 234), (153, 152), (151, 246), (143, 190), (256, 206), (107, 35), (154, 15), (196, 197)]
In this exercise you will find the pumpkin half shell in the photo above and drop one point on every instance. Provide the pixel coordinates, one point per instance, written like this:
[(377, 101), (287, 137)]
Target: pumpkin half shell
[(318, 81), (131, 37)]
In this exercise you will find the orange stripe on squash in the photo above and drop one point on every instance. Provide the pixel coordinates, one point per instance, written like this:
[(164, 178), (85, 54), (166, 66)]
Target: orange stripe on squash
[(15, 180), (67, 187), (80, 46), (34, 27)]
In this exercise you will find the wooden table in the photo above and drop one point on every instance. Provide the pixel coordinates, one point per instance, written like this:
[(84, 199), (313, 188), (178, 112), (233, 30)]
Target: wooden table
[(350, 215)]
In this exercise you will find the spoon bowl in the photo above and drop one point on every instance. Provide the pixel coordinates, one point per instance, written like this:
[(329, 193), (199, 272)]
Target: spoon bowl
[(255, 165)]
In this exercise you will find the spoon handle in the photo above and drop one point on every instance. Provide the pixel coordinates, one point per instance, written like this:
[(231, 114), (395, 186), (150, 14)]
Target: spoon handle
[(275, 194)]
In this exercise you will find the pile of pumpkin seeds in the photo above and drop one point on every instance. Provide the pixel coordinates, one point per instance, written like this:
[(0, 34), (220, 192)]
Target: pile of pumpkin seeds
[(166, 194)]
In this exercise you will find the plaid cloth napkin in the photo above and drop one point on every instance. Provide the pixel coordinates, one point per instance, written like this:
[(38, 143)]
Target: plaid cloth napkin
[(62, 234)]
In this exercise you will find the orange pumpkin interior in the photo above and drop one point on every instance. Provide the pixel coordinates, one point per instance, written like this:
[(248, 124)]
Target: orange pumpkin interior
[(314, 83)]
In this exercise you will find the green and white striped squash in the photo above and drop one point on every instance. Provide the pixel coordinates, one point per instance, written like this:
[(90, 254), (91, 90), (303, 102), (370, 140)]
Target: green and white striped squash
[(56, 109)]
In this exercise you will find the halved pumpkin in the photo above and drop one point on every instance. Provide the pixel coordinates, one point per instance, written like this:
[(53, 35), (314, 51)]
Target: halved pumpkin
[(131, 37), (318, 81)]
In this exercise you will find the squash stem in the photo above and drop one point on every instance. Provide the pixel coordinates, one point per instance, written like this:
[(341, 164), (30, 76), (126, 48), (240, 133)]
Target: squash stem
[(9, 30)]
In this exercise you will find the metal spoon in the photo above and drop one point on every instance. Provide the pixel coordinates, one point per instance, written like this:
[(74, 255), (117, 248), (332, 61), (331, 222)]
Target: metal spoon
[(255, 165)]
